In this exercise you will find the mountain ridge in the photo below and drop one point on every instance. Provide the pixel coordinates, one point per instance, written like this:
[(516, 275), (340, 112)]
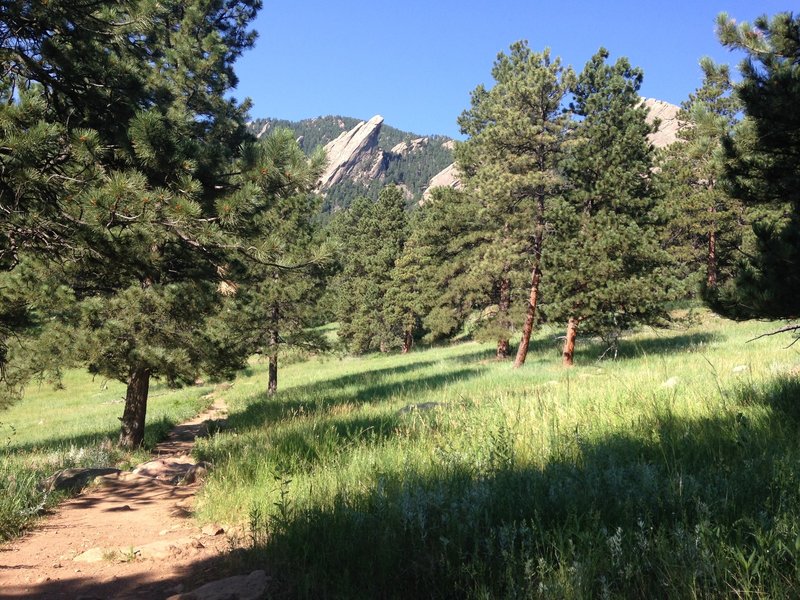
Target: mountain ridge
[(365, 155)]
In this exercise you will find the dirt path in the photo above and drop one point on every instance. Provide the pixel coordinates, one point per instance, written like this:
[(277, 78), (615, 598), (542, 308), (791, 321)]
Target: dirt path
[(129, 537)]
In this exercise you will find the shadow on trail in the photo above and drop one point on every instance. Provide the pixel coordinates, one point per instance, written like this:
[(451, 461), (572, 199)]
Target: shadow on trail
[(142, 585), (664, 508)]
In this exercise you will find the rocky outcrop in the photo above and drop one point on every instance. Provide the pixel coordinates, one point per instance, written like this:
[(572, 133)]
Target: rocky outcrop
[(404, 148), (354, 154), (447, 177), (74, 480), (667, 115)]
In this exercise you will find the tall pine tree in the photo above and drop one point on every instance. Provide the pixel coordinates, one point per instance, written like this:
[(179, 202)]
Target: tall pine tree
[(763, 166), (370, 237), (516, 131), (274, 215), (142, 85), (703, 230), (606, 271)]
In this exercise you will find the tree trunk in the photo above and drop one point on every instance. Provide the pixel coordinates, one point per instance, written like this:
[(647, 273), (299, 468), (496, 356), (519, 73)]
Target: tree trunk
[(272, 385), (569, 341), (711, 259), (408, 341), (530, 316), (132, 433), (536, 277), (503, 306)]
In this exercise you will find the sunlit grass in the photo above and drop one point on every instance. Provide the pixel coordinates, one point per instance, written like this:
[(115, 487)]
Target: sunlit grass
[(657, 473)]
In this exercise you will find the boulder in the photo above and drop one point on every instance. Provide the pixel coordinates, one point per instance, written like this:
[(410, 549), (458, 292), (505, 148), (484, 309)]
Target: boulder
[(74, 480), (176, 470)]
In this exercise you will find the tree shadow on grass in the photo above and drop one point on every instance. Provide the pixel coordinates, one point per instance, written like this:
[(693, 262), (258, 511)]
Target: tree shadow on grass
[(657, 345), (155, 431), (662, 509), (369, 388)]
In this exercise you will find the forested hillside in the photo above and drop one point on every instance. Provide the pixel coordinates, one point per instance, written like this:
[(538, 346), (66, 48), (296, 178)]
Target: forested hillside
[(407, 159)]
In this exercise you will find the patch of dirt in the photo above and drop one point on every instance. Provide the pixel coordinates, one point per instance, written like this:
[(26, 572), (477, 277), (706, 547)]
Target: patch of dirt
[(128, 536)]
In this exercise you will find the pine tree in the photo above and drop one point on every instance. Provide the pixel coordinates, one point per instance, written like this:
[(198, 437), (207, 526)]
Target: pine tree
[(370, 236), (763, 166), (606, 271), (142, 86), (703, 231), (275, 291), (516, 130)]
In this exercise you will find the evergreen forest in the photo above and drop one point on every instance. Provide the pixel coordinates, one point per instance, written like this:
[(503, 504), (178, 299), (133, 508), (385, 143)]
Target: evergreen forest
[(450, 393)]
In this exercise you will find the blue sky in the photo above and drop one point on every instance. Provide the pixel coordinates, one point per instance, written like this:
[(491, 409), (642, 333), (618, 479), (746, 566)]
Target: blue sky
[(415, 62)]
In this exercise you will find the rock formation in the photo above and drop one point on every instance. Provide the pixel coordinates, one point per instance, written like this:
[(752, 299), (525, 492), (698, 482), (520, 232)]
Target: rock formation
[(404, 148), (354, 154), (447, 177), (667, 115)]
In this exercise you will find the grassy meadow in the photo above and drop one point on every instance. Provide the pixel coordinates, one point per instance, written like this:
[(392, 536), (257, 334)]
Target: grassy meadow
[(75, 425), (669, 472)]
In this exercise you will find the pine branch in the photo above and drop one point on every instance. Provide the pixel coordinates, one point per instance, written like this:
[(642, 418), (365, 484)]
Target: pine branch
[(788, 328)]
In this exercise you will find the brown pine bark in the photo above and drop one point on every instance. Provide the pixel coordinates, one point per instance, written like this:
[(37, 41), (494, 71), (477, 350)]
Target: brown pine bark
[(530, 316), (133, 417), (569, 341), (503, 307), (408, 341), (536, 277), (272, 385)]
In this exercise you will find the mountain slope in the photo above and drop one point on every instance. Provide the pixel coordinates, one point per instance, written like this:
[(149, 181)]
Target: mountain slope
[(366, 155)]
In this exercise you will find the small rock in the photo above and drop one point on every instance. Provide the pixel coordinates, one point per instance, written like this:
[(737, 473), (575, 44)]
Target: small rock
[(57, 565), (92, 555), (42, 580), (240, 587), (213, 529), (197, 544)]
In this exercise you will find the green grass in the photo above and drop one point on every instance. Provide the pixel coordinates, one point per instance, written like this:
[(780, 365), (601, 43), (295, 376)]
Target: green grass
[(671, 471), (75, 426)]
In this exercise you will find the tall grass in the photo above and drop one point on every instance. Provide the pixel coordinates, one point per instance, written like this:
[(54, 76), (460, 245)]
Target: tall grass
[(74, 426), (669, 472)]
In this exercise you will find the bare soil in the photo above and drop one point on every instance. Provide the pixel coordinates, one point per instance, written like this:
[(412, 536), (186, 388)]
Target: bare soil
[(127, 536)]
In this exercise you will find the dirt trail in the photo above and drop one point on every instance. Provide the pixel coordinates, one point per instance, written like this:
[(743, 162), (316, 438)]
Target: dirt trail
[(140, 541)]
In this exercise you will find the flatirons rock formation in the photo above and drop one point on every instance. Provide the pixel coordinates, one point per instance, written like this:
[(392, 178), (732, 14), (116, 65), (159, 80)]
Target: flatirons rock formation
[(447, 177), (667, 115), (354, 154)]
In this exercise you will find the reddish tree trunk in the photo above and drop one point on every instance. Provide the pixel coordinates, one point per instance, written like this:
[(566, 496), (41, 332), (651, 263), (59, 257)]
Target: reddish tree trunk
[(536, 277), (272, 385), (503, 307), (530, 315), (408, 341), (133, 417), (569, 341)]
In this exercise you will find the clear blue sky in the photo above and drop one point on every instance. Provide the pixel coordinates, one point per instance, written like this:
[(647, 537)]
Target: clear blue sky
[(416, 61)]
